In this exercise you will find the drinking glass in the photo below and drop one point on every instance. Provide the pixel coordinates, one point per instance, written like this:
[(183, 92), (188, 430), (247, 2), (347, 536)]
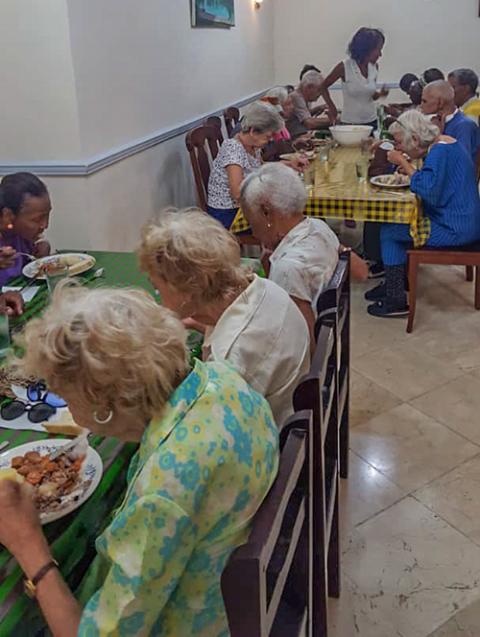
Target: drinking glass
[(4, 335), (324, 152), (362, 171), (54, 278)]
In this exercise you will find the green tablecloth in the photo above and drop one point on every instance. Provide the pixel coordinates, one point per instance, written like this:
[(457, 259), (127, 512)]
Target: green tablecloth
[(72, 537)]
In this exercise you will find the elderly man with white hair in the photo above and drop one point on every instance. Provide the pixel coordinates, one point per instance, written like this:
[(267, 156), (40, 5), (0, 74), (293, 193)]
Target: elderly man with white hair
[(311, 87), (448, 188), (438, 98)]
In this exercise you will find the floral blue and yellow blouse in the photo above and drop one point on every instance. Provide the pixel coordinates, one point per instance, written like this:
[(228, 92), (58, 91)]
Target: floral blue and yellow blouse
[(200, 475)]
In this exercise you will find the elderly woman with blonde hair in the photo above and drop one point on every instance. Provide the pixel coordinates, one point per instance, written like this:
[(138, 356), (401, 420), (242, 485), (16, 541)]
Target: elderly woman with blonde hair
[(447, 185), (207, 458), (305, 250), (250, 322)]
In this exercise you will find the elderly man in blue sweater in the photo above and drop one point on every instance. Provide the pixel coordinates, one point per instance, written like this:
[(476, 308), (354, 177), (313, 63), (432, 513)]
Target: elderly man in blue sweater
[(447, 186), (438, 98)]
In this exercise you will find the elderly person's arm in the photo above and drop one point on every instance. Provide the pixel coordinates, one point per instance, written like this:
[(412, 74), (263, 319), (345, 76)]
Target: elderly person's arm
[(305, 308), (235, 178)]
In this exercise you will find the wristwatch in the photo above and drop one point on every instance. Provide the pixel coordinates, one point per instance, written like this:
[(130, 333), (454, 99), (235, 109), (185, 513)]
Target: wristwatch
[(30, 585)]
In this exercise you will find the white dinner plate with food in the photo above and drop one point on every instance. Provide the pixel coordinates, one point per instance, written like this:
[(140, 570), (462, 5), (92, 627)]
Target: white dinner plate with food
[(76, 262), (307, 154), (391, 181), (59, 489)]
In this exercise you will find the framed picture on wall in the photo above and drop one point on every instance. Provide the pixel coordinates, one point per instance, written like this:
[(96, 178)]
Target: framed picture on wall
[(213, 13)]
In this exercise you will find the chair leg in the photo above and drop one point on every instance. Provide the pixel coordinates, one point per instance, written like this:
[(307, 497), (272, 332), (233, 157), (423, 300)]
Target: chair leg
[(477, 287), (469, 273), (412, 284), (334, 552)]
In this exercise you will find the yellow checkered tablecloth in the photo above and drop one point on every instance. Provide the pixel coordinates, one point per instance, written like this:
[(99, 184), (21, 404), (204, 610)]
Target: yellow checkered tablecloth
[(336, 193)]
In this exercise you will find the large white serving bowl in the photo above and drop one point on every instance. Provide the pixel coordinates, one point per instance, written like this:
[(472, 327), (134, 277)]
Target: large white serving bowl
[(350, 134)]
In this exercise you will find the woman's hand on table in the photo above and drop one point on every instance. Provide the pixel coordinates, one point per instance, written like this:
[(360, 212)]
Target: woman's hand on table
[(7, 257), (299, 164), (11, 303)]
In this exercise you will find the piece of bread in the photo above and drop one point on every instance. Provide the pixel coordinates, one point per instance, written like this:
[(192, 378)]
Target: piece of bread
[(65, 427)]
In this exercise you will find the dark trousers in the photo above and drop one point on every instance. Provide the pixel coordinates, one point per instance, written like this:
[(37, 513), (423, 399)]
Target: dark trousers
[(371, 241)]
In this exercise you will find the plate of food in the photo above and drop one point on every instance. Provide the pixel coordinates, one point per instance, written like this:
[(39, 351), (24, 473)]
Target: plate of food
[(304, 154), (396, 180), (74, 262), (60, 483)]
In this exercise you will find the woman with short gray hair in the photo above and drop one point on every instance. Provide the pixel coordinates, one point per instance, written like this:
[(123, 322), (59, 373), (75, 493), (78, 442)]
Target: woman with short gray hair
[(448, 188), (238, 157)]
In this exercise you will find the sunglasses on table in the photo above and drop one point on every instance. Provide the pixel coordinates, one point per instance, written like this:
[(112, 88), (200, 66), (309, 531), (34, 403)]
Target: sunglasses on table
[(40, 412), (38, 392)]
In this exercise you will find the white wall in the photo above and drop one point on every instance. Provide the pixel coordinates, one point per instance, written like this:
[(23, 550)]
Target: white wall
[(38, 115), (140, 69), (420, 34)]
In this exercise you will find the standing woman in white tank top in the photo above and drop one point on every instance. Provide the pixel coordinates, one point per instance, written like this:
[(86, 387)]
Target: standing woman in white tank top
[(359, 77)]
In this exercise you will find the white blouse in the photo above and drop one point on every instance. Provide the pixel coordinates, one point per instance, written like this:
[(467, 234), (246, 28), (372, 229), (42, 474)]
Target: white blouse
[(231, 153), (358, 92), (265, 338), (304, 261)]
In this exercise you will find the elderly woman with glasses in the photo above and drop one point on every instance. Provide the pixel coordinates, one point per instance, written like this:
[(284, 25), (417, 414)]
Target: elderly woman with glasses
[(248, 321), (207, 458), (447, 186)]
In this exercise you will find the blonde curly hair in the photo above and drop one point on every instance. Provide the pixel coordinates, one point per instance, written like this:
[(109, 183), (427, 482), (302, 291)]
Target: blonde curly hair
[(116, 348), (193, 252)]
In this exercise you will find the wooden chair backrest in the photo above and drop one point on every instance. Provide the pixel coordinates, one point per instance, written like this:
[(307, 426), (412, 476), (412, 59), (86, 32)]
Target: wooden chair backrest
[(231, 116), (252, 596), (203, 144), (216, 122)]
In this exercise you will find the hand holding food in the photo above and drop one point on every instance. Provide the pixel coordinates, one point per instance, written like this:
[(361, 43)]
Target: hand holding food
[(11, 303), (7, 257), (397, 157), (20, 519)]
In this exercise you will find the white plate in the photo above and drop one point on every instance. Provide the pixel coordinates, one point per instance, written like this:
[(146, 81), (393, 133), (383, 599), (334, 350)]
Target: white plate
[(378, 181), (92, 470), (79, 263)]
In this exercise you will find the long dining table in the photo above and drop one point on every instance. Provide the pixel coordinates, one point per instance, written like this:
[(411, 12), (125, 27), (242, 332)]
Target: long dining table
[(72, 537), (335, 192)]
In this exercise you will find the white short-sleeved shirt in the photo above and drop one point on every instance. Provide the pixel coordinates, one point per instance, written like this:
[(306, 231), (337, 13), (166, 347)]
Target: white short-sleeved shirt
[(304, 261), (264, 336), (358, 91), (231, 153)]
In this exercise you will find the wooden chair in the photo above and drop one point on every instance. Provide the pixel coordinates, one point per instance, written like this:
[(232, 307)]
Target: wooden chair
[(468, 256), (253, 591), (318, 392), (231, 117), (203, 144), (333, 310), (216, 122)]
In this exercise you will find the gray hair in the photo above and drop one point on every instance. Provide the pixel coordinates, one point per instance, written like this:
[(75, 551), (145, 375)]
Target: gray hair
[(261, 118), (276, 185), (466, 77), (279, 93), (414, 124), (312, 78), (441, 89)]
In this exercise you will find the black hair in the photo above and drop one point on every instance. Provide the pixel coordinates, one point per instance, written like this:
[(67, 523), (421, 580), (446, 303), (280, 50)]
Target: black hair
[(15, 187), (415, 91), (432, 75), (364, 42), (406, 81), (307, 68), (290, 88), (466, 77)]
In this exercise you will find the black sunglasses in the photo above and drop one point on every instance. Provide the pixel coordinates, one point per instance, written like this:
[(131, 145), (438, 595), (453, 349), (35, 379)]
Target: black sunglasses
[(35, 413)]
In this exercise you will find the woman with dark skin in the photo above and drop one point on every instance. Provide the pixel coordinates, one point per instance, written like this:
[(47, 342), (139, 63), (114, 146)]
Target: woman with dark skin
[(24, 216), (358, 74)]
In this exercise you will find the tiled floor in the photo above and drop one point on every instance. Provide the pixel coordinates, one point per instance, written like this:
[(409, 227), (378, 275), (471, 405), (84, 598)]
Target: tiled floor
[(411, 507)]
